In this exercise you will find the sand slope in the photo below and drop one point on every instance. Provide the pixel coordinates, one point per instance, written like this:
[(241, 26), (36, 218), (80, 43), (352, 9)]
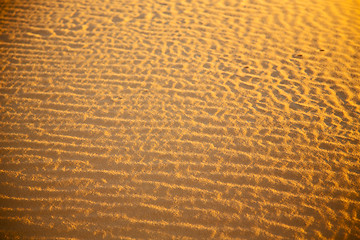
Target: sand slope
[(180, 119)]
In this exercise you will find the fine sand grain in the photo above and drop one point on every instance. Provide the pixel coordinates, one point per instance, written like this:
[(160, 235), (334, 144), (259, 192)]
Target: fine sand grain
[(180, 119)]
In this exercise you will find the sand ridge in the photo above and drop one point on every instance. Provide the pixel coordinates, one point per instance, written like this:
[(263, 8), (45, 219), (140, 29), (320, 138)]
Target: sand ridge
[(180, 119)]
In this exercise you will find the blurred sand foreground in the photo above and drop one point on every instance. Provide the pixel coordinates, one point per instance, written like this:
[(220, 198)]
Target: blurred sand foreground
[(180, 119)]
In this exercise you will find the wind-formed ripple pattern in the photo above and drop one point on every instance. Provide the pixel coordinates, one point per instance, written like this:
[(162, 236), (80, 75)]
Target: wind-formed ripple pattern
[(180, 119)]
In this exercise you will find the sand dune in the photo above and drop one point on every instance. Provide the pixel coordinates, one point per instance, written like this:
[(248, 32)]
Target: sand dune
[(180, 119)]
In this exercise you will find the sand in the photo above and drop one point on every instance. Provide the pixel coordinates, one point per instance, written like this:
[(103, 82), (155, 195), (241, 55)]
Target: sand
[(180, 119)]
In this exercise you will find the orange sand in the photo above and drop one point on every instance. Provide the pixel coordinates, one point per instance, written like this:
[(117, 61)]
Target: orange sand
[(180, 119)]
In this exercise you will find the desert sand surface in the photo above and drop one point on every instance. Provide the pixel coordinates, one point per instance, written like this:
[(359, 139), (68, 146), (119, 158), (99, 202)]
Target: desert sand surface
[(180, 119)]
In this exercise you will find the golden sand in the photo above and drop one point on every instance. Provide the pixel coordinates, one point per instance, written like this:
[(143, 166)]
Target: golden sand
[(180, 119)]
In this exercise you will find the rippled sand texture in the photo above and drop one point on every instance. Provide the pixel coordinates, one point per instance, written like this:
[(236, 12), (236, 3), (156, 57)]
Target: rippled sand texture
[(180, 119)]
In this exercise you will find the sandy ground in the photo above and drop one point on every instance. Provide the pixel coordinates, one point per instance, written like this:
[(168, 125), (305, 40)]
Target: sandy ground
[(180, 119)]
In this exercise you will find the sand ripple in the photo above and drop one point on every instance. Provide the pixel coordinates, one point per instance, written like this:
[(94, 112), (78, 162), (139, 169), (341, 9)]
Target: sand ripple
[(180, 119)]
